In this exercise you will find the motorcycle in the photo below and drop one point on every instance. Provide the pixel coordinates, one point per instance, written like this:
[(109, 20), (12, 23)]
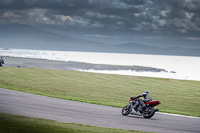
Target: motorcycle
[(148, 112)]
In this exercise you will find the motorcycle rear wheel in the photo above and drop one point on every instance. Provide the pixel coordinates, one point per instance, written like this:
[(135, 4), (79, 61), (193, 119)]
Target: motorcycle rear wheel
[(150, 113), (126, 110)]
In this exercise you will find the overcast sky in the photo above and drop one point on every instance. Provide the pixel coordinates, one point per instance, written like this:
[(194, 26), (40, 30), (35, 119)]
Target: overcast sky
[(141, 21)]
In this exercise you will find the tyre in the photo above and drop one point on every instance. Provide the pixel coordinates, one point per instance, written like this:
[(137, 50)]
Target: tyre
[(126, 110), (150, 113)]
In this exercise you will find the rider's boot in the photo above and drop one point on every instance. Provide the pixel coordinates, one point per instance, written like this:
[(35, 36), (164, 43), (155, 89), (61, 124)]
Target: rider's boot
[(142, 107)]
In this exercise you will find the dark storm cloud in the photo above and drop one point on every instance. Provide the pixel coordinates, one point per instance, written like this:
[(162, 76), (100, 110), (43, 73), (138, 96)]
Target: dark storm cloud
[(45, 4), (133, 2), (156, 16)]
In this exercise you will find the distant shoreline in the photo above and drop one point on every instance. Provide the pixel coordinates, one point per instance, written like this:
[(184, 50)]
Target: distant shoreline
[(71, 65)]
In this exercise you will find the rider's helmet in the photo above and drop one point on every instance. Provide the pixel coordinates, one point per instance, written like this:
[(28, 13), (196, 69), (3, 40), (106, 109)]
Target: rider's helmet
[(146, 92)]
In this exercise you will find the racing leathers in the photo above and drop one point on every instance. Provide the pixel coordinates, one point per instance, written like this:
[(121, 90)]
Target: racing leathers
[(141, 102)]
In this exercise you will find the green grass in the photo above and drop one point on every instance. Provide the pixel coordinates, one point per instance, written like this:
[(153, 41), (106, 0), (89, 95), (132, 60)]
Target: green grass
[(20, 124), (176, 96)]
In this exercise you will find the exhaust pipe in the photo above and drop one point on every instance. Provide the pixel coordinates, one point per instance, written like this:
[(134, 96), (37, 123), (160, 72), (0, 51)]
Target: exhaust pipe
[(157, 109)]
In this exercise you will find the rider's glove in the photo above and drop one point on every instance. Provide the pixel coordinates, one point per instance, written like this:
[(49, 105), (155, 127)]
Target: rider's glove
[(133, 98)]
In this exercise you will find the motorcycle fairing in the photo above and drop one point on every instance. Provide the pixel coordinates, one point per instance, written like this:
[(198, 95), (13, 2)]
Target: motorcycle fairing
[(152, 103)]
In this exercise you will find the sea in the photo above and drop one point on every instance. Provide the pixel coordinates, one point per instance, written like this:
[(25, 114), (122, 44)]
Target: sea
[(177, 67)]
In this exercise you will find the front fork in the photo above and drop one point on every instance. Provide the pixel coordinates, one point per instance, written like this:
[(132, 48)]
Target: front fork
[(131, 103)]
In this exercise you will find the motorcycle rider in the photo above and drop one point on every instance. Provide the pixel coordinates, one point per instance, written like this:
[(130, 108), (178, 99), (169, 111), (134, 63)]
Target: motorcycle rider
[(1, 62), (141, 102)]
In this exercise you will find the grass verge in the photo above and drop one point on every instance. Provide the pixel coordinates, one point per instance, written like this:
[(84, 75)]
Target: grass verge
[(20, 124), (176, 96)]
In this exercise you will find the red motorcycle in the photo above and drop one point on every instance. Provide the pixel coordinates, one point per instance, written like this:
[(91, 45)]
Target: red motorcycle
[(148, 112)]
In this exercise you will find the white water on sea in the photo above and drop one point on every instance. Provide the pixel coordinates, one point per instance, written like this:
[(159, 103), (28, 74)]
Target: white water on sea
[(187, 68)]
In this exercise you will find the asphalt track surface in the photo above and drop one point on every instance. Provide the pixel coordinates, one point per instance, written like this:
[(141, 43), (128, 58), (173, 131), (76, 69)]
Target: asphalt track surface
[(31, 105)]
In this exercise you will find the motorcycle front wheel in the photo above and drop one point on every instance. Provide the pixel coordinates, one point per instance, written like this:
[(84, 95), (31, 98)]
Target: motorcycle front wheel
[(126, 110), (151, 111)]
